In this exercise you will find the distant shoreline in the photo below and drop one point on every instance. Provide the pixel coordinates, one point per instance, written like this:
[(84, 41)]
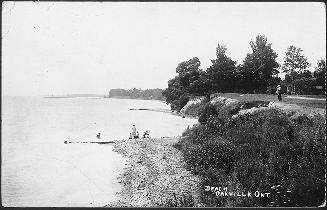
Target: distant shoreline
[(103, 96), (75, 96), (70, 96), (59, 97), (140, 98)]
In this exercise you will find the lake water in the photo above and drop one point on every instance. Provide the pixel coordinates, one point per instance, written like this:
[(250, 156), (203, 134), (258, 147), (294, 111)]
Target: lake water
[(39, 170)]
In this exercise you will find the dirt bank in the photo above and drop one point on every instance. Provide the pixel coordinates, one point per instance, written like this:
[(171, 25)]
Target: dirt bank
[(155, 175)]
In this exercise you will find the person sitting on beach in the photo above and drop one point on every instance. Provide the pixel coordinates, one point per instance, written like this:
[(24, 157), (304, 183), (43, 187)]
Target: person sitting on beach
[(137, 135), (134, 131), (130, 136)]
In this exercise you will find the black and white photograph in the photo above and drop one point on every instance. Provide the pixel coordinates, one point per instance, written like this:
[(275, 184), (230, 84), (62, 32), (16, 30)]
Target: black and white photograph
[(163, 104)]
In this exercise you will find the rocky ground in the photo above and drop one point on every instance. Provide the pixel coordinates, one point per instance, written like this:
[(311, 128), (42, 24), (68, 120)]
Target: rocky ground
[(156, 175)]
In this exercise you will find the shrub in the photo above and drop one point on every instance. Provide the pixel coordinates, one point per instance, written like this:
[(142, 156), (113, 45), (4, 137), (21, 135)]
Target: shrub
[(251, 104), (195, 109), (208, 111), (305, 86), (257, 151), (271, 90), (308, 161), (230, 110)]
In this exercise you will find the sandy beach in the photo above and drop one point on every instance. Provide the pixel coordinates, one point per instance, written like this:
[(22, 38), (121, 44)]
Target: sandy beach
[(155, 175)]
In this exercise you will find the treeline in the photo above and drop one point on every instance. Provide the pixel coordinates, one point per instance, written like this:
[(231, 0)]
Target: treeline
[(148, 94), (257, 74)]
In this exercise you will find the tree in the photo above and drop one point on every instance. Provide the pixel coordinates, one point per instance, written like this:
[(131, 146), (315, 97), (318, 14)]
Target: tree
[(221, 72), (190, 81), (155, 94), (295, 65), (193, 80), (175, 94), (188, 66), (134, 93), (201, 85), (188, 72), (259, 70), (118, 92)]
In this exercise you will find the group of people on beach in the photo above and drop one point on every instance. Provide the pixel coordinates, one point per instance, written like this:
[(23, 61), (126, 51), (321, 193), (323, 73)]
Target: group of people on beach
[(135, 134)]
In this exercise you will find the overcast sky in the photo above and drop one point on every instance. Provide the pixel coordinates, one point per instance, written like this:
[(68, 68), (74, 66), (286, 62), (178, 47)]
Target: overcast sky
[(91, 47)]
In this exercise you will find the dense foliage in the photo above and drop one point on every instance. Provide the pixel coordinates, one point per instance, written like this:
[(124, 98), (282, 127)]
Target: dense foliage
[(254, 152), (259, 67), (257, 74), (295, 66), (175, 94), (154, 94), (268, 150), (295, 61), (320, 75), (222, 73), (195, 108)]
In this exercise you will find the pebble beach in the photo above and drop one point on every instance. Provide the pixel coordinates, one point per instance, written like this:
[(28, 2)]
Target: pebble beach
[(155, 174)]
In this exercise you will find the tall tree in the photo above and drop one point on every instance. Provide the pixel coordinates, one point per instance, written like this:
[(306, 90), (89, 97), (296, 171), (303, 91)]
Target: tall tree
[(260, 67), (188, 66), (200, 85), (175, 94), (188, 71), (190, 81), (295, 61), (193, 79), (221, 72), (295, 65)]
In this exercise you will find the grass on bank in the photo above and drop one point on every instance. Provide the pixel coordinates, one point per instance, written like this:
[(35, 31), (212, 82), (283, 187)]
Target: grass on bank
[(255, 152), (273, 98)]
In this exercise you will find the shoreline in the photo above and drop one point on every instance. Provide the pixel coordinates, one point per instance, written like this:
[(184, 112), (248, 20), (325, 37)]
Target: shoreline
[(140, 98), (155, 175), (168, 112)]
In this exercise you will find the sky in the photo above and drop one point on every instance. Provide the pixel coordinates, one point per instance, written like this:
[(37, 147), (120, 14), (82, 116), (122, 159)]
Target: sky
[(91, 47)]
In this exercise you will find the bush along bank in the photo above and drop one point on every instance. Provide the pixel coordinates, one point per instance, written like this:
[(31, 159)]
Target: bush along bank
[(262, 158)]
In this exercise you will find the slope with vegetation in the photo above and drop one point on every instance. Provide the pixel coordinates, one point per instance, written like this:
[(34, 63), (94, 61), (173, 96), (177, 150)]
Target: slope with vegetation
[(255, 151), (247, 141)]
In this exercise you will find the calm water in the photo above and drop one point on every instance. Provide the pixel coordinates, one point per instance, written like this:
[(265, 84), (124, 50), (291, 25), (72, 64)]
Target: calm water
[(38, 169)]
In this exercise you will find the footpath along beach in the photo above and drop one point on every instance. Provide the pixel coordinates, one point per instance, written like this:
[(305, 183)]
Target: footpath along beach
[(156, 175)]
